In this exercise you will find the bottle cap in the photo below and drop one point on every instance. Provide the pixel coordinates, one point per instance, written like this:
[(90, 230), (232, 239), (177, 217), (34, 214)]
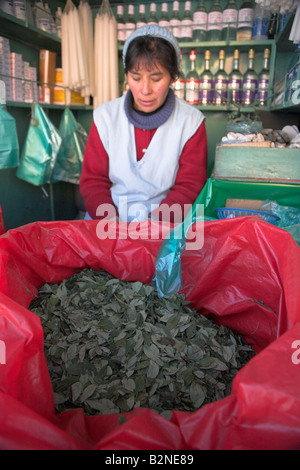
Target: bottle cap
[(222, 54), (251, 54), (236, 54), (193, 55), (266, 53), (207, 55)]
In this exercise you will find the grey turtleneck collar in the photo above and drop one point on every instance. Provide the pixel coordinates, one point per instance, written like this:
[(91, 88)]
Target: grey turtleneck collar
[(149, 120)]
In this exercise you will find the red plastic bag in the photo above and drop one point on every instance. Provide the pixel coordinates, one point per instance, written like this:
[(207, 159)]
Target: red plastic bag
[(242, 277), (2, 226)]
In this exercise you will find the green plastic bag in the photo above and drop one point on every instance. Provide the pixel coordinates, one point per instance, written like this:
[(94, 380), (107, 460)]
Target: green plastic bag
[(9, 144), (40, 149), (70, 156), (167, 276)]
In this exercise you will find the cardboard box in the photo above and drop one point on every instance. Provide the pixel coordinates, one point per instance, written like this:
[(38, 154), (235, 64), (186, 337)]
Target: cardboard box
[(47, 76)]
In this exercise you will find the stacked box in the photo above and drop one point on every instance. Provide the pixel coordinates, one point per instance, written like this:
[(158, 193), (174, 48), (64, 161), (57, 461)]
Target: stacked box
[(34, 85), (16, 71), (26, 82), (5, 66)]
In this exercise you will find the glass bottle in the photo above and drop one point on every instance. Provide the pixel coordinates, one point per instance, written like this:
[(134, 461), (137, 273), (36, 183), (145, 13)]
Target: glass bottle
[(206, 82), (164, 17), (142, 16), (214, 22), (192, 81), (235, 79), (220, 82), (229, 21), (130, 23), (200, 22), (263, 80), (152, 17), (187, 23), (260, 23), (121, 26), (245, 21), (175, 22), (178, 85), (249, 84)]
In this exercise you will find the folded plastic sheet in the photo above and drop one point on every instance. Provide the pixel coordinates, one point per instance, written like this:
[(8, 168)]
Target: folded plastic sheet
[(241, 277)]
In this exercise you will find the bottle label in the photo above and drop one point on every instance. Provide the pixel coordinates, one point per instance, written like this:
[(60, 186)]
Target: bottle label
[(140, 24), (164, 24), (186, 28), (129, 27), (262, 93), (121, 32), (178, 88), (205, 93), (175, 27), (220, 93), (234, 88), (260, 28), (200, 20), (230, 16), (245, 18), (249, 88), (192, 91), (214, 20)]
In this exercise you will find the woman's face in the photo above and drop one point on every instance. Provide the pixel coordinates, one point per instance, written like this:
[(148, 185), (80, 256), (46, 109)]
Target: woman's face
[(149, 86)]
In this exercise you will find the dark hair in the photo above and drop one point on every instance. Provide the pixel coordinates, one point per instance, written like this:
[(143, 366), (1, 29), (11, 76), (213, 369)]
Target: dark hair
[(150, 50)]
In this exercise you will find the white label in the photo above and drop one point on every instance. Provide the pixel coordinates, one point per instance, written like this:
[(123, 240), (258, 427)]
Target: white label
[(175, 6), (130, 27), (164, 24), (130, 9), (230, 16), (121, 32), (142, 9), (186, 29), (192, 91), (176, 29), (214, 20), (245, 18), (164, 7), (120, 10), (200, 20)]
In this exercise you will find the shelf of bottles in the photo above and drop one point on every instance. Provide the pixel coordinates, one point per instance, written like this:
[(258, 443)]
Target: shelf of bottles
[(228, 49)]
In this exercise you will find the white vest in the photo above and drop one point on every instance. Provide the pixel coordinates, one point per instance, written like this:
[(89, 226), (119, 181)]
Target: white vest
[(138, 187)]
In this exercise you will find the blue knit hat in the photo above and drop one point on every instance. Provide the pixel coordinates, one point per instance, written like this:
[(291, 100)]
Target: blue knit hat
[(156, 31)]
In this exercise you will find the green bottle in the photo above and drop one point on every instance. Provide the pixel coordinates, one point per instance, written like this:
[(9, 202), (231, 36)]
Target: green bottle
[(229, 19), (200, 22), (214, 22)]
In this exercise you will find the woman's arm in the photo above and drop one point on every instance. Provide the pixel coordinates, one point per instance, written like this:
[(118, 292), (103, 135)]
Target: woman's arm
[(94, 181)]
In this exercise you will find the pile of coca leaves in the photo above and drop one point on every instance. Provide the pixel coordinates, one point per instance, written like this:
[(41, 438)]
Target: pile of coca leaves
[(112, 346)]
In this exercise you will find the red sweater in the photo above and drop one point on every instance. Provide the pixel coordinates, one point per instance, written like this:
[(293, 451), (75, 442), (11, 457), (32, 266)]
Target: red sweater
[(191, 176)]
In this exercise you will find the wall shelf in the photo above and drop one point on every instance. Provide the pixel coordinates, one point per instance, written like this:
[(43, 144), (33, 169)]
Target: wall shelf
[(16, 29)]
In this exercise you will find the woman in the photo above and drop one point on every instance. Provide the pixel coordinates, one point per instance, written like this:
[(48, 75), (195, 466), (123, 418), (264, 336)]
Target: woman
[(147, 150)]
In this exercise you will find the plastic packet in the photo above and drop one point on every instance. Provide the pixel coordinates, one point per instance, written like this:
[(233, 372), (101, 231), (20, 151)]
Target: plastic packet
[(9, 144), (288, 215), (40, 149), (70, 156), (167, 276)]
